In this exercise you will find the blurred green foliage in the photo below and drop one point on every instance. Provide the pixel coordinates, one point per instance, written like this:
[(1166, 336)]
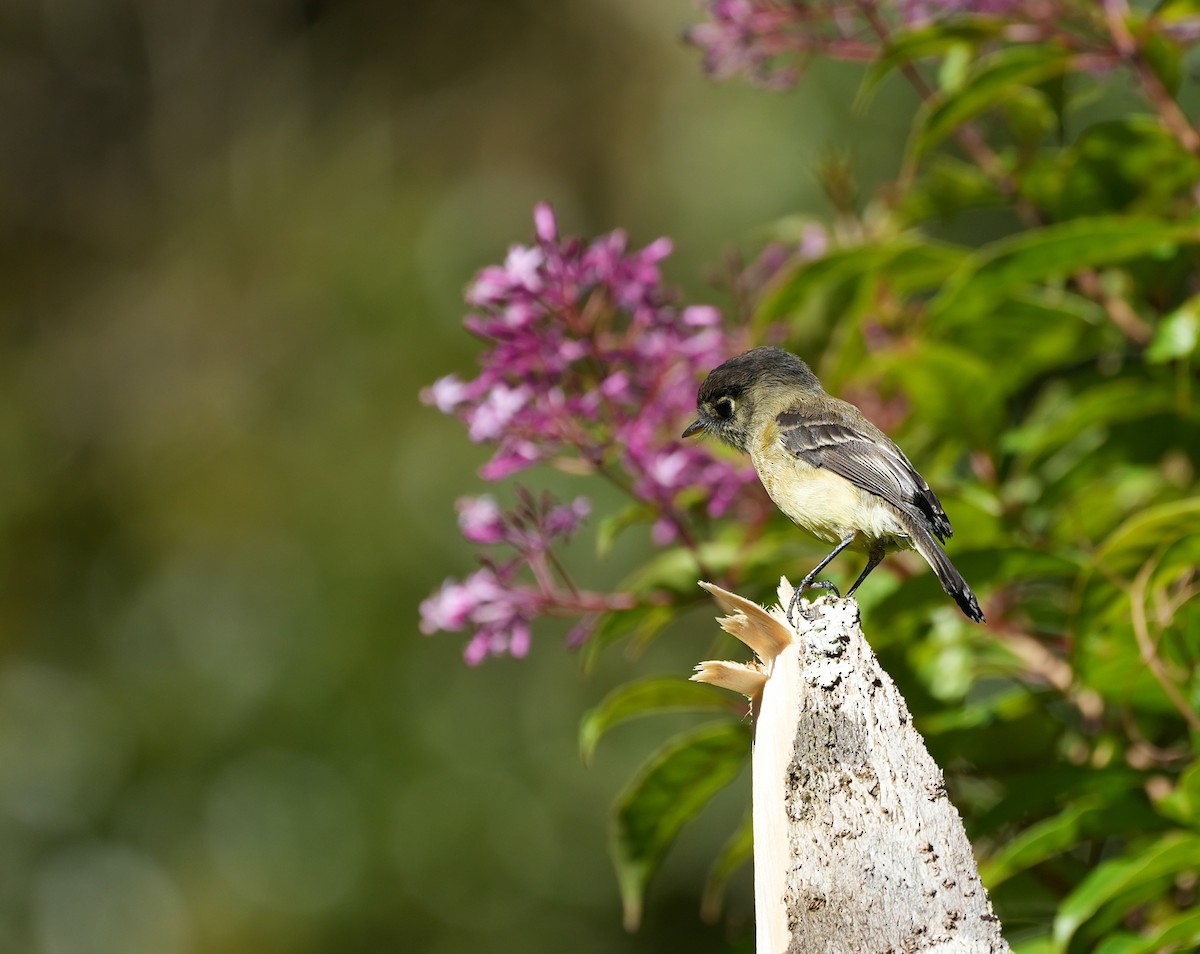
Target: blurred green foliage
[(1043, 374)]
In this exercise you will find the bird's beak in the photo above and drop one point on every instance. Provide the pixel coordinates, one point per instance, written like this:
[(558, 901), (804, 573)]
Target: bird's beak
[(696, 425)]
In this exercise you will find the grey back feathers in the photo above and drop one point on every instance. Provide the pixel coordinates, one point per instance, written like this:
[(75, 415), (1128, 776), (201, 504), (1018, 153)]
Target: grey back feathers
[(869, 460)]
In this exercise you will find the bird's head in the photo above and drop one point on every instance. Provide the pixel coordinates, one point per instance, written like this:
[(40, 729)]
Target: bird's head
[(732, 392)]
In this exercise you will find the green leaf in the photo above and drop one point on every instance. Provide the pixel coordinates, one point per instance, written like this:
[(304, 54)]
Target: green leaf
[(1031, 117), (1163, 541), (921, 266), (1011, 265), (951, 390), (948, 187), (670, 790), (676, 569), (1063, 416), (1106, 884), (1176, 13), (1129, 165), (908, 263), (995, 80), (1080, 821), (613, 525), (1177, 334), (646, 697), (1183, 804), (1181, 933), (1127, 547), (971, 716), (1047, 331), (1164, 57), (641, 623), (1037, 793), (954, 69), (735, 853), (936, 39), (1033, 945)]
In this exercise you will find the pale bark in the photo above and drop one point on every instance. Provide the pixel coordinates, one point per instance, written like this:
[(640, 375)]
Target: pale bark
[(857, 849)]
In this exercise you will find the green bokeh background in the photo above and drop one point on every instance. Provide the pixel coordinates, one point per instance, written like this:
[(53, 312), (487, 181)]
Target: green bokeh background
[(235, 237)]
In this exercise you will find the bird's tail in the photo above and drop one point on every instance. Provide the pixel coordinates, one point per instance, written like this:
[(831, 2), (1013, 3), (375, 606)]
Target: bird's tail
[(952, 581)]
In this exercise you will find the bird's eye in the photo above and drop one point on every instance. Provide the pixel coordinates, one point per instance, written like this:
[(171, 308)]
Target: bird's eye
[(724, 408)]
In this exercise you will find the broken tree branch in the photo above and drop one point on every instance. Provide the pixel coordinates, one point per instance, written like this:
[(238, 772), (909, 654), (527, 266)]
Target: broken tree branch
[(856, 846)]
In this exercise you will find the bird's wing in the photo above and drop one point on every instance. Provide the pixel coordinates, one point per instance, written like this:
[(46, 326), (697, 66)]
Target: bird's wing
[(877, 466)]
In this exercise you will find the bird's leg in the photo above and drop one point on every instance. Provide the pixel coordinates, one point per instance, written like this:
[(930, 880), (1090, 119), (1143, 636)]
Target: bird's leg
[(811, 580), (873, 561)]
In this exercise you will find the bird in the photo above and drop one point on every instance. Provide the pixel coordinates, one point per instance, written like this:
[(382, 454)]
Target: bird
[(830, 470)]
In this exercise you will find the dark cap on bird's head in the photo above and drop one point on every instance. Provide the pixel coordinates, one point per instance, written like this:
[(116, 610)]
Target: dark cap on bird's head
[(728, 395)]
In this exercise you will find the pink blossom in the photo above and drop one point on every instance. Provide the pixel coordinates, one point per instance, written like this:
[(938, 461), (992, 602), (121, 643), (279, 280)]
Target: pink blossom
[(656, 251), (522, 266), (701, 316), (514, 639), (581, 631), (519, 638), (616, 386), (753, 37), (489, 286), (544, 222), (590, 362), (916, 12), (448, 608), (477, 649), (770, 41), (494, 602), (566, 519), (666, 469), (552, 384), (498, 610), (480, 519), (663, 532), (519, 314), (489, 419), (446, 394), (513, 456), (814, 242)]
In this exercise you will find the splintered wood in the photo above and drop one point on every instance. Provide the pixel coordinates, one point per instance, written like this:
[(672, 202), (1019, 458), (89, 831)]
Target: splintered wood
[(856, 846)]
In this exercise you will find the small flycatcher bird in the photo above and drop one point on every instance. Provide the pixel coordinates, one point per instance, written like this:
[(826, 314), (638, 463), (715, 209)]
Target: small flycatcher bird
[(828, 468)]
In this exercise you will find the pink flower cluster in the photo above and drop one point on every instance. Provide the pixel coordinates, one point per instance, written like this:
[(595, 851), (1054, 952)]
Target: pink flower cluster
[(493, 601), (498, 611), (592, 366), (529, 530), (590, 359), (915, 12), (753, 37), (770, 40)]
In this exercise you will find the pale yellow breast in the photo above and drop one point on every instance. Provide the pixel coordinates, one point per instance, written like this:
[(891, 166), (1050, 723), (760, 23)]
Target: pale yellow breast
[(825, 504)]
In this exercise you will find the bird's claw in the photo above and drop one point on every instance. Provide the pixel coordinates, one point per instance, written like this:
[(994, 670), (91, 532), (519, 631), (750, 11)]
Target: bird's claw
[(799, 591)]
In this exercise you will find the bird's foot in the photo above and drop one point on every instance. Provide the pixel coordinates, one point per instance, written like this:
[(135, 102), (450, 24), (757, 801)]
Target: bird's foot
[(798, 592)]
